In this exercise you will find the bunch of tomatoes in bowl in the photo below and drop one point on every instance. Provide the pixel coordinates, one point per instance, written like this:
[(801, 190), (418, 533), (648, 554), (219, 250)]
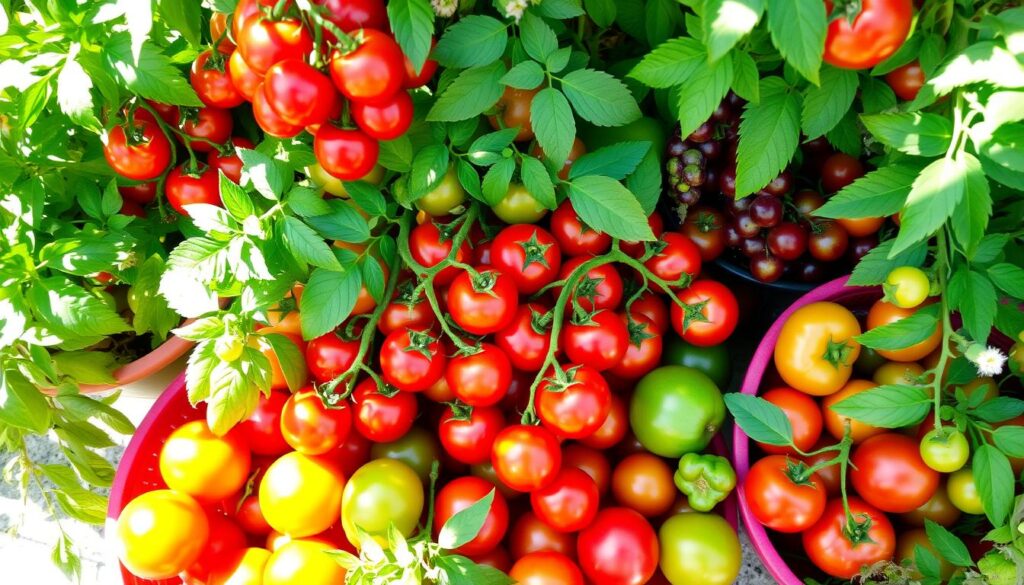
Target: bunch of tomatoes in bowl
[(533, 380), (842, 485)]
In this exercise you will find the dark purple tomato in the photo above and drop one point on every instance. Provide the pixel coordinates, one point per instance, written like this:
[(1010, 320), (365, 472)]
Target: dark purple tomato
[(766, 210), (745, 225), (807, 201), (780, 185), (751, 247), (828, 241), (859, 247), (766, 268), (703, 133), (727, 181), (787, 240)]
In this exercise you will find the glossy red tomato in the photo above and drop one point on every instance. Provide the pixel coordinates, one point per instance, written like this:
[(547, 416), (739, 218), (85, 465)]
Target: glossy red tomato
[(575, 237), (352, 454), (348, 155), (228, 162), (530, 534), (482, 378), (411, 359), (212, 81), (250, 517), (591, 461), (373, 72), (527, 338), (468, 434), (804, 416), (311, 427), (300, 94), (463, 492), (643, 353), (386, 120), (876, 32), (268, 119), (619, 547), (840, 170), (649, 304), (526, 457), (141, 193), (329, 356), (779, 502), (380, 418), (546, 568), (888, 472), (611, 431), (599, 288), (830, 548), (244, 10), (352, 15), (225, 539), (906, 81), (705, 226), (209, 128), (528, 254), (168, 113), (429, 244), (245, 80), (600, 342), (263, 427), (406, 312), (143, 156), (264, 42), (129, 207), (569, 503), (483, 305), (184, 187), (497, 558), (711, 315), (677, 257), (578, 410)]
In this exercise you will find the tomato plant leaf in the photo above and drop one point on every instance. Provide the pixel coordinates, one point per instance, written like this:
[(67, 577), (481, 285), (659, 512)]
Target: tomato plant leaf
[(560, 9), (970, 219), (745, 78), (553, 122), (473, 41), (798, 30), (459, 570), (538, 39), (984, 61), (260, 171), (367, 196), (670, 63), (602, 12), (330, 296), (933, 197), (876, 96), (1009, 440), (74, 95), (153, 76), (761, 420), (826, 104), (914, 133), (413, 24), (607, 206), (526, 75), (873, 268), (428, 170), (880, 193), (305, 245), (846, 135), (342, 223), (903, 333), (291, 359), (465, 524), (184, 16), (646, 181), (151, 311), (537, 181), (236, 200), (600, 98), (725, 22), (769, 133), (999, 409), (496, 181), (948, 545), (471, 94), (662, 18), (891, 406), (995, 480), (973, 295), (615, 161), (22, 405), (702, 92), (396, 155), (1009, 278)]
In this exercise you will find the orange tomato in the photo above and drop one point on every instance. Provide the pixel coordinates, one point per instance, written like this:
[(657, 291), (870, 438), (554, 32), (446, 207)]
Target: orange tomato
[(197, 462), (161, 533), (883, 313), (815, 351), (864, 226), (897, 373), (643, 482), (301, 495), (835, 424)]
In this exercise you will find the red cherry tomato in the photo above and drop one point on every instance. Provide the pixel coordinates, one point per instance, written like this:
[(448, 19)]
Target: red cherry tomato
[(348, 155), (526, 457), (679, 256), (840, 170), (528, 254), (482, 378), (143, 157), (469, 436), (411, 360), (268, 119), (413, 79), (637, 249), (430, 245), (779, 502), (380, 418), (650, 305), (187, 188), (311, 427), (141, 193), (711, 316), (225, 539), (530, 534), (245, 80), (612, 430), (573, 236), (405, 311), (600, 342), (578, 410), (250, 517), (350, 15), (387, 120), (209, 128), (264, 42), (484, 305), (876, 33), (212, 81), (569, 503), (463, 492), (906, 81), (829, 546), (263, 427), (620, 547), (129, 207), (888, 472), (643, 352), (373, 72), (600, 287), (300, 94), (229, 162), (527, 338), (329, 356)]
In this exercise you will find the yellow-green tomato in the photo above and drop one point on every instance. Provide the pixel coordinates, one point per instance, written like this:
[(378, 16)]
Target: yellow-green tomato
[(945, 450), (699, 548), (381, 493), (333, 185), (963, 492), (448, 195), (519, 206), (907, 286), (417, 448)]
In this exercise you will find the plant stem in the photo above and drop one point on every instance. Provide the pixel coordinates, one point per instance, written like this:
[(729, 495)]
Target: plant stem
[(942, 266)]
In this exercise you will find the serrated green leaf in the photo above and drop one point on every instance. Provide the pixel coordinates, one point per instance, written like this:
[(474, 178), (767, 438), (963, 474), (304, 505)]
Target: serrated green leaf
[(412, 21), (538, 38), (396, 155), (153, 76), (670, 63), (428, 170), (328, 300), (973, 294), (602, 12), (914, 133), (825, 105), (970, 219), (761, 420), (702, 92), (934, 195), (890, 406), (473, 41), (306, 245), (537, 181), (904, 332), (496, 181), (616, 161), (552, 121), (184, 16), (798, 30), (342, 223), (880, 193), (995, 481), (235, 199), (260, 171), (726, 22), (600, 98), (876, 265), (646, 181), (846, 136), (1009, 278), (769, 133), (745, 78), (948, 545), (662, 19), (526, 75), (367, 196), (876, 96), (607, 206), (22, 405), (290, 359), (472, 93), (560, 9)]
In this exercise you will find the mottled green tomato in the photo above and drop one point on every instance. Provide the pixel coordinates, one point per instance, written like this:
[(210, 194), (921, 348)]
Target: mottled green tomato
[(418, 449), (676, 410), (448, 195), (518, 206), (381, 493), (713, 360), (699, 548)]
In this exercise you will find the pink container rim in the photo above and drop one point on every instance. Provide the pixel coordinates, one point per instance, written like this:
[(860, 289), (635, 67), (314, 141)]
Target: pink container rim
[(830, 291)]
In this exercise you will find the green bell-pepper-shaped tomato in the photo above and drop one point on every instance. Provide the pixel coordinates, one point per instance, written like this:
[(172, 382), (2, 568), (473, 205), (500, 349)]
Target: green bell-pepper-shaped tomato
[(705, 479)]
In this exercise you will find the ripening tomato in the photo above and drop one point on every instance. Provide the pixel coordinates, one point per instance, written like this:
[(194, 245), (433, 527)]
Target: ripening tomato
[(351, 15), (649, 304), (300, 94), (383, 418), (938, 509), (526, 457), (530, 534), (591, 461), (404, 311), (207, 129), (861, 227), (463, 492), (386, 120), (212, 81), (705, 226), (833, 550), (963, 492), (329, 356), (619, 547), (188, 187), (264, 42), (577, 410), (599, 288), (346, 154), (300, 495), (875, 33), (225, 539), (575, 237), (141, 193), (676, 256), (468, 434), (227, 161), (245, 80), (161, 533), (528, 254), (519, 206), (906, 81), (569, 503), (643, 482), (816, 348), (303, 561), (546, 568), (614, 427), (372, 72), (804, 418), (836, 423), (711, 315), (888, 472), (600, 341), (643, 353), (514, 108), (263, 427), (838, 171), (195, 461), (884, 313), (411, 360), (140, 153), (312, 427), (527, 338), (250, 517), (699, 548), (381, 494), (481, 378), (484, 304), (781, 496)]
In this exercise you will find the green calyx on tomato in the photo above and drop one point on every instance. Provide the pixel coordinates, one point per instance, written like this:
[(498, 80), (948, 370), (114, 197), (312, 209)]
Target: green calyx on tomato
[(676, 410), (945, 450), (705, 479)]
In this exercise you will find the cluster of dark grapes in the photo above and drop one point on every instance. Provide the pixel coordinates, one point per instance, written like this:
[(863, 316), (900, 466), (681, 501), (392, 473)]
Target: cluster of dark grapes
[(774, 230)]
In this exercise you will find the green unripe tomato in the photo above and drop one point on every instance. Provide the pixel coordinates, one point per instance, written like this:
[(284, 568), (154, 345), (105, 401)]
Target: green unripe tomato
[(907, 286), (945, 450), (333, 185), (418, 449), (699, 548), (228, 347), (676, 410), (448, 195), (712, 360), (380, 493), (519, 206), (963, 492)]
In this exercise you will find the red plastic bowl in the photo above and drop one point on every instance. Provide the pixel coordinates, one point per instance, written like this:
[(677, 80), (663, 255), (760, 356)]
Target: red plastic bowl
[(139, 470)]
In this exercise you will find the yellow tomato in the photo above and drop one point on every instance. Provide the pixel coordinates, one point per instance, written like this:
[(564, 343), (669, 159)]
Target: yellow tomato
[(161, 533), (301, 495), (816, 350), (304, 562)]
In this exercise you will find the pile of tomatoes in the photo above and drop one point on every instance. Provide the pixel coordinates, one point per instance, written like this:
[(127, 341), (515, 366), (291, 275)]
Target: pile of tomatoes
[(265, 61), (896, 479)]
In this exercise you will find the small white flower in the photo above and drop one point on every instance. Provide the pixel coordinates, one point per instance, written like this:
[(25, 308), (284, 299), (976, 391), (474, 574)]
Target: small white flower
[(445, 8), (990, 361), (516, 8)]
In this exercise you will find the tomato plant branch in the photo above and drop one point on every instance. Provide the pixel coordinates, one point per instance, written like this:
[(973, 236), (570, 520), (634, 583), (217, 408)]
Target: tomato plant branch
[(942, 266)]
